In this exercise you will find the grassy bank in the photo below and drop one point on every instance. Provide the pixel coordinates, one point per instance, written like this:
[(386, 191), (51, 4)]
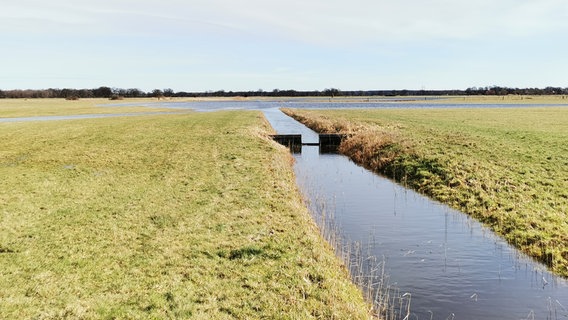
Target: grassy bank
[(170, 216), (506, 167)]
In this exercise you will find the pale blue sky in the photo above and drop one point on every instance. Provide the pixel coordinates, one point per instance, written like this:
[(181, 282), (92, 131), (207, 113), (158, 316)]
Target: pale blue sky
[(199, 45)]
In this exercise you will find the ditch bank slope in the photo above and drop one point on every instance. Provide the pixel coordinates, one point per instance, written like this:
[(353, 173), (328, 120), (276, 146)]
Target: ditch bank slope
[(500, 167)]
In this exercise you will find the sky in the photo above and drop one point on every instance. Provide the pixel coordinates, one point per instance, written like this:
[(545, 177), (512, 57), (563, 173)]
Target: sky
[(233, 45)]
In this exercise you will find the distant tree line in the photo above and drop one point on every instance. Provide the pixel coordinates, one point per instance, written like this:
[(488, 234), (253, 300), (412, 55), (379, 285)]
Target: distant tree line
[(101, 92), (117, 93), (503, 91)]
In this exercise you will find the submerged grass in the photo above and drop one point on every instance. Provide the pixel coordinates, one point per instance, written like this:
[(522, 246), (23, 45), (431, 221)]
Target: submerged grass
[(365, 269), (504, 166), (170, 216)]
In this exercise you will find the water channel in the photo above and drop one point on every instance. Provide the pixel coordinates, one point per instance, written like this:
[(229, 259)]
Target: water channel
[(449, 265), (445, 264)]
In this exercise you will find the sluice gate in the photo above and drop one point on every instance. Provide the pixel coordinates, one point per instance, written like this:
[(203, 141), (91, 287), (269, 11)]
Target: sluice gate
[(328, 143)]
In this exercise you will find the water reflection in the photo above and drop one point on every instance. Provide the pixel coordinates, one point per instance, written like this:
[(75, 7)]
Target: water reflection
[(448, 262)]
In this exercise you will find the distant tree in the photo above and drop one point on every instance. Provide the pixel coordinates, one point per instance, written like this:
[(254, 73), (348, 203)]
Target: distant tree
[(103, 92), (157, 93), (332, 92), (52, 93), (288, 93), (86, 93), (134, 93), (219, 93), (168, 92), (68, 93), (552, 90)]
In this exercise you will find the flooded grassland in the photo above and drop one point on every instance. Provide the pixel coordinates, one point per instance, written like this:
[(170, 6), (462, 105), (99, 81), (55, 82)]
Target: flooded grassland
[(504, 166)]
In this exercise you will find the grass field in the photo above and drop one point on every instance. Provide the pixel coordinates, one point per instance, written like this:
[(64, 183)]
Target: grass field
[(13, 108), (154, 217), (508, 167)]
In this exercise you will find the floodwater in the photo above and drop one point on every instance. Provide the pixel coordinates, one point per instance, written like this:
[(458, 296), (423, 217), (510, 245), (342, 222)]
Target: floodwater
[(451, 266), (445, 264)]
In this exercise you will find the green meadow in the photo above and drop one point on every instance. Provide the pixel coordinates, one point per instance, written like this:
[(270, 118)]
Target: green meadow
[(507, 167), (173, 216), (14, 108)]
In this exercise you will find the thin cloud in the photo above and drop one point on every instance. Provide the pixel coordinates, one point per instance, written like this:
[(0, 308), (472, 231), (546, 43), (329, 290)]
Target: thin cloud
[(321, 43), (407, 20), (316, 21)]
